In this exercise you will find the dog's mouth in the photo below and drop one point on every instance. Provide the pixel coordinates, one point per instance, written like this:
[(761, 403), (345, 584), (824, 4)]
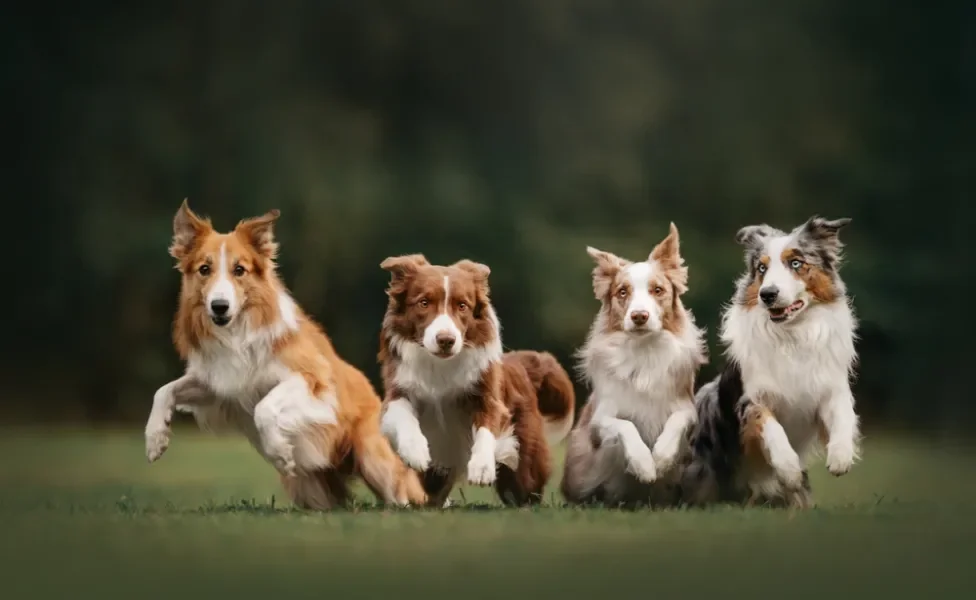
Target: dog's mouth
[(779, 315), (220, 320)]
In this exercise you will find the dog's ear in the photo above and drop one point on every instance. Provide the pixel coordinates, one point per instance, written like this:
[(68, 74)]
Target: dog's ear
[(668, 254), (607, 267), (187, 229), (752, 236), (479, 272), (259, 233), (403, 267), (824, 235)]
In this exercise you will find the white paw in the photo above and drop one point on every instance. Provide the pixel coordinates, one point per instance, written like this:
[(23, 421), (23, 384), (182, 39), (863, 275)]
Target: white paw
[(157, 441), (286, 466), (414, 451), (790, 475), (840, 459), (641, 464), (664, 458), (481, 469)]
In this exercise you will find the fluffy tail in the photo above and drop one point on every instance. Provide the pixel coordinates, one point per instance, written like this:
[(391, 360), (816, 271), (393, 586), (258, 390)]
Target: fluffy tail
[(554, 389)]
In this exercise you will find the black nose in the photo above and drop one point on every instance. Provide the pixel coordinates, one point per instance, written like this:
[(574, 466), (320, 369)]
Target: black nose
[(445, 341), (768, 295), (220, 307)]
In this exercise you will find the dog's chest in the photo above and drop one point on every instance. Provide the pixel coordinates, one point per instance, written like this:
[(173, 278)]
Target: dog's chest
[(647, 407), (240, 376), (449, 432)]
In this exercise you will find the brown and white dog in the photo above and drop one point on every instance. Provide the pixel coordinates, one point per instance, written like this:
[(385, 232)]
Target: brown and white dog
[(641, 357), (455, 403), (255, 363)]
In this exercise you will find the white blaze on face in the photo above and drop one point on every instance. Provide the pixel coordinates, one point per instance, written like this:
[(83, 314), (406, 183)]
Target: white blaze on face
[(443, 326), (779, 276), (639, 275), (222, 288)]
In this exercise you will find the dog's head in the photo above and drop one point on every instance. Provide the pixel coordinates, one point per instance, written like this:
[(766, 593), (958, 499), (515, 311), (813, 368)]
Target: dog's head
[(641, 297), (444, 309), (224, 274), (787, 272)]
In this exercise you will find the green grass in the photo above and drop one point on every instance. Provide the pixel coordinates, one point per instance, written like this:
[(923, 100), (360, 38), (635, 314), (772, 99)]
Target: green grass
[(82, 514)]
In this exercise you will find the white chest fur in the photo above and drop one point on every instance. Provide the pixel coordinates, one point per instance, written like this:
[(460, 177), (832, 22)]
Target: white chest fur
[(644, 379), (792, 368), (436, 387)]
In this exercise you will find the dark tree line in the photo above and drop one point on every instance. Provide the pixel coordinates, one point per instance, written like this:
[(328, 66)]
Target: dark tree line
[(514, 133)]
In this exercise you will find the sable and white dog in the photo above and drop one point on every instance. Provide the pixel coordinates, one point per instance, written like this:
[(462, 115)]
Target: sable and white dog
[(790, 334), (455, 403), (255, 363), (641, 357)]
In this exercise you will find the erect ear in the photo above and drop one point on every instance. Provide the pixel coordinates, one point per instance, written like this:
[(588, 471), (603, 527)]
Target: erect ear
[(259, 232), (753, 235), (825, 234), (403, 267), (187, 229), (668, 254), (607, 267)]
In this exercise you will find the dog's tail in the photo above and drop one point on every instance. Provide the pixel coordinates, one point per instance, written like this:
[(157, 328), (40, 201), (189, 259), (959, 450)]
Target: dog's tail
[(554, 389)]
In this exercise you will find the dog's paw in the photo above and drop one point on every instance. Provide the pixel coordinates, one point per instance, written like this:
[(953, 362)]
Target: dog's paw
[(157, 441), (790, 475), (641, 464), (481, 469), (664, 458), (415, 452), (840, 459)]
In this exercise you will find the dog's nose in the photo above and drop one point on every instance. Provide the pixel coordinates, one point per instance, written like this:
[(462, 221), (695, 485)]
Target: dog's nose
[(639, 317), (445, 340), (219, 307), (768, 295)]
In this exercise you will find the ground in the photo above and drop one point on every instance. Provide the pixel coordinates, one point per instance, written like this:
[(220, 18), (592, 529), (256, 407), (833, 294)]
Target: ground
[(83, 514)]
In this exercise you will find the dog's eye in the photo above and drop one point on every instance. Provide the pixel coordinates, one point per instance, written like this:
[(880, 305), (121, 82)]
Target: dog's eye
[(239, 271), (204, 270), (424, 302), (761, 268), (462, 306), (658, 290), (796, 264), (622, 292)]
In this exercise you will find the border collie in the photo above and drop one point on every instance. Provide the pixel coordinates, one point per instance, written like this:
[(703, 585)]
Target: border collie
[(641, 357), (255, 363), (790, 334), (455, 404)]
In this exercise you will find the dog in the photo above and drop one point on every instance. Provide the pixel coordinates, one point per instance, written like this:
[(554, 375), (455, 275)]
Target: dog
[(455, 403), (641, 358), (258, 365), (790, 334)]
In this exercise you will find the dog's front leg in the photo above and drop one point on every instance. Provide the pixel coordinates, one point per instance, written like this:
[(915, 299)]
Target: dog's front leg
[(187, 390), (608, 429), (675, 432), (285, 413), (400, 425), (761, 430), (486, 429), (841, 426)]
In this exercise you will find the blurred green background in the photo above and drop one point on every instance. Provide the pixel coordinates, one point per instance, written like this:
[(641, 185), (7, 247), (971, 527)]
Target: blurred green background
[(511, 132)]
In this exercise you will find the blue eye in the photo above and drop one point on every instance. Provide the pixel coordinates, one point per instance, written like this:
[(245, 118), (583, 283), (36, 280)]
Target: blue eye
[(796, 264), (761, 268)]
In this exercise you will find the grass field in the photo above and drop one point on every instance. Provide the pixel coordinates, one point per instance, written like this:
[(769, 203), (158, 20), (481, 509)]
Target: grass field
[(83, 515)]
